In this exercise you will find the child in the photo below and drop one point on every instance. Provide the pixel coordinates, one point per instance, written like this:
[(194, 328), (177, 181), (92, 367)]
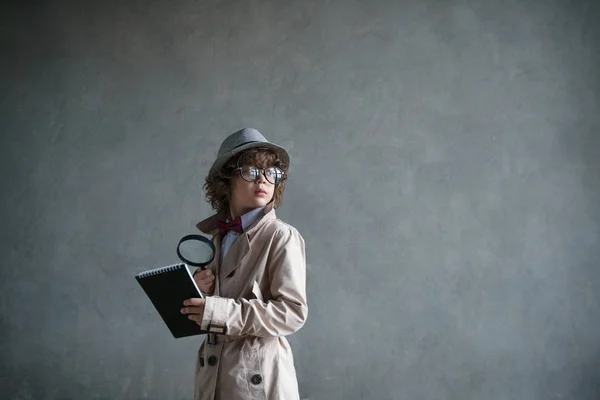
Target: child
[(256, 284)]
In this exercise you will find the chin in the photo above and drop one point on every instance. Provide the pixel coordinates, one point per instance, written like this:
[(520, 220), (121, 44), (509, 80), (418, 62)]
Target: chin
[(261, 202)]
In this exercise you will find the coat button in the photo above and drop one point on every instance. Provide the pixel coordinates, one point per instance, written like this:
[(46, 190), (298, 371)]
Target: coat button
[(202, 361), (256, 379), (212, 360)]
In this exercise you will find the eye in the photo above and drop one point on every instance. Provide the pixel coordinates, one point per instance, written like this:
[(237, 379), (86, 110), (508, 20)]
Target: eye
[(249, 173), (275, 174)]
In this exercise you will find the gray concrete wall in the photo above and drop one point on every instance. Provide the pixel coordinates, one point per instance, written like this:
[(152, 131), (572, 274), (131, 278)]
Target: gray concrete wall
[(445, 176)]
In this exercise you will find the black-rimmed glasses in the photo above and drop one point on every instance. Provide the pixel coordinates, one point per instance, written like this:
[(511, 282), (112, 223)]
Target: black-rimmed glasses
[(273, 175)]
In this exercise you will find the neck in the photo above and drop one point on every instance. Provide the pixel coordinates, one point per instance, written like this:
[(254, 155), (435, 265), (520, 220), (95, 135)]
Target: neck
[(235, 212)]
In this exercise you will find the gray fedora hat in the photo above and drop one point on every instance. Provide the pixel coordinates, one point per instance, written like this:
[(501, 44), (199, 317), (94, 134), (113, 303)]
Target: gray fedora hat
[(244, 139)]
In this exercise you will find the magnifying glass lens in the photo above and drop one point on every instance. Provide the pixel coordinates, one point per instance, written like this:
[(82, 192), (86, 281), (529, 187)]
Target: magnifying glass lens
[(195, 250)]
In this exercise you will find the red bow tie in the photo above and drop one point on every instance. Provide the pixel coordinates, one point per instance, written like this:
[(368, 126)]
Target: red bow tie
[(235, 225)]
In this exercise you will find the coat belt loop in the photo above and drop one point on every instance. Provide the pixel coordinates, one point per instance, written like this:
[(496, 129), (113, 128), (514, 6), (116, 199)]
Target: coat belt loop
[(212, 338)]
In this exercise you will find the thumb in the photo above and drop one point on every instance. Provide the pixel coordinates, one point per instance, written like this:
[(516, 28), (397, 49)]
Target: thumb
[(205, 273)]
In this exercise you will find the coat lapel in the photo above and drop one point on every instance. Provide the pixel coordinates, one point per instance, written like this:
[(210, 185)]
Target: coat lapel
[(216, 262), (236, 254)]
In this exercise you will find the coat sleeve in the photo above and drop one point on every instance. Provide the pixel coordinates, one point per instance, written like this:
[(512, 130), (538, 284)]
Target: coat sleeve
[(285, 313)]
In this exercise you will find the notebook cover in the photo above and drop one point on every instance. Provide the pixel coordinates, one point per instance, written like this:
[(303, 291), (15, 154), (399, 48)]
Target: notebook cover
[(167, 291)]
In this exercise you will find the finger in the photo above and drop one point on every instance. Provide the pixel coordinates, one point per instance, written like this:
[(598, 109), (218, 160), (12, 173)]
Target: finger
[(197, 318), (207, 289), (192, 310), (208, 279), (194, 301)]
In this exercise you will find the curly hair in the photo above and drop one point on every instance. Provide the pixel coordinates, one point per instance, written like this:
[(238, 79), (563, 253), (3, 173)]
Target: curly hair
[(218, 182)]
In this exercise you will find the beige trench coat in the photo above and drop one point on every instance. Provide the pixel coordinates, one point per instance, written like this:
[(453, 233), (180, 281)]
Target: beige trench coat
[(259, 298)]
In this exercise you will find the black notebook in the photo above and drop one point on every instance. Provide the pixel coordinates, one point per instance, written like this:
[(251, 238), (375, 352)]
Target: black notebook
[(167, 288)]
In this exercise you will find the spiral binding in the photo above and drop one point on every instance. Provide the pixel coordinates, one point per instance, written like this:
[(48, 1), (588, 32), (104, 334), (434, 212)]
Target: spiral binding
[(161, 270)]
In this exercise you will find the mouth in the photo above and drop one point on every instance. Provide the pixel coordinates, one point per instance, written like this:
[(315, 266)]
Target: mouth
[(260, 191)]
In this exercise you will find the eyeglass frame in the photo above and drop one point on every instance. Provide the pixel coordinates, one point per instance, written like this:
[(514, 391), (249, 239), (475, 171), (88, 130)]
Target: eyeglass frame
[(262, 171)]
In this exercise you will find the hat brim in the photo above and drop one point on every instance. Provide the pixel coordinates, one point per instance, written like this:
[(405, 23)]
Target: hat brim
[(283, 154)]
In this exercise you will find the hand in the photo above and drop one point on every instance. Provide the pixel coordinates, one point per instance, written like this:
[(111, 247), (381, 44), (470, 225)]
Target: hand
[(194, 307), (205, 280)]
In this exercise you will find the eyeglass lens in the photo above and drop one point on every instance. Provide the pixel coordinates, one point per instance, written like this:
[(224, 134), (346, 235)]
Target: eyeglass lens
[(273, 174)]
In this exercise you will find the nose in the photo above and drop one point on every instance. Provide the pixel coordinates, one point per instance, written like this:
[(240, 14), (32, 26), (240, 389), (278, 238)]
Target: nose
[(262, 175)]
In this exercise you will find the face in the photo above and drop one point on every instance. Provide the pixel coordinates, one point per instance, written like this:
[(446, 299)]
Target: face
[(253, 190)]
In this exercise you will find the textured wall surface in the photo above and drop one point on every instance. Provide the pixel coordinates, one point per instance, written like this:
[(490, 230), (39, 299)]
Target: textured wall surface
[(445, 177)]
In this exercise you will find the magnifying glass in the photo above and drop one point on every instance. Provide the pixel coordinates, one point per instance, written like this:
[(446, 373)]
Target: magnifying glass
[(196, 250)]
